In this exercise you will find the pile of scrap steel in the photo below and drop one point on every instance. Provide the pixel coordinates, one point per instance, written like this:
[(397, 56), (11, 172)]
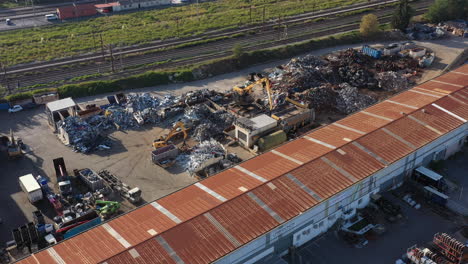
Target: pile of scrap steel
[(88, 134), (206, 123), (202, 155), (421, 31), (339, 81)]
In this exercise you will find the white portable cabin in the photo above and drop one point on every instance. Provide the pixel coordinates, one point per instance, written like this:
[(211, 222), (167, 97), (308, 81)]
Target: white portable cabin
[(31, 187)]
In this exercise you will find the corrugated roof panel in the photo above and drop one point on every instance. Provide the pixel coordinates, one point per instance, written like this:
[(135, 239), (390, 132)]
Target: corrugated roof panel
[(454, 106), (463, 69), (141, 224), (420, 134), (91, 246), (303, 150), (454, 78), (42, 257), (230, 183), (439, 87), (437, 119), (385, 146), (388, 110), (413, 99), (149, 252), (269, 165), (192, 239), (243, 218), (334, 135), (363, 122), (285, 197), (461, 96), (355, 161), (322, 178), (188, 202)]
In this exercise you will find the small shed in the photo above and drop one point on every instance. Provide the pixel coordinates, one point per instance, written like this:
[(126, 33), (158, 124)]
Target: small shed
[(59, 110), (76, 10), (249, 130)]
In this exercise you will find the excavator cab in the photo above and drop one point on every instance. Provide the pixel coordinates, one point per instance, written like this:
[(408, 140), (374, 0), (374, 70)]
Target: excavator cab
[(243, 94)]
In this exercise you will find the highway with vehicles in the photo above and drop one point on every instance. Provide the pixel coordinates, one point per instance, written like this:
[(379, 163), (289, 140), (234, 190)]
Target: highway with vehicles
[(130, 60)]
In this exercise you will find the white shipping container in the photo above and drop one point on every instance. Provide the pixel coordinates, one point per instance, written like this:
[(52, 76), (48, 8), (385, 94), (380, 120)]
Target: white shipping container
[(30, 186)]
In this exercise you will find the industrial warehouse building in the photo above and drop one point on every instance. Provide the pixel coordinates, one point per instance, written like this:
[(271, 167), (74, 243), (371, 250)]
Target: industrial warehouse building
[(287, 196)]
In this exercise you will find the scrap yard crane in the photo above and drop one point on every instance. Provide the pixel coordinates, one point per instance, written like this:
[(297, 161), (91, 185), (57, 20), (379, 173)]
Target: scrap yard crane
[(243, 95), (177, 130)]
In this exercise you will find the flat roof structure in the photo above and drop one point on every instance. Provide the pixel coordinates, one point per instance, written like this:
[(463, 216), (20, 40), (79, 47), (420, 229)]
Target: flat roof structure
[(212, 218), (61, 104)]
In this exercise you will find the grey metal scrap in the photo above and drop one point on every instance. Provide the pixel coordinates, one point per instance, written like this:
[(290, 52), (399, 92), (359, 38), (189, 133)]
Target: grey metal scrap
[(349, 100), (392, 81), (200, 154)]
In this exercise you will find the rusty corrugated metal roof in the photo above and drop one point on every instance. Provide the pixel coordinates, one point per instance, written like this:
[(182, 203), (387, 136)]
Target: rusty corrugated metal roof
[(210, 219)]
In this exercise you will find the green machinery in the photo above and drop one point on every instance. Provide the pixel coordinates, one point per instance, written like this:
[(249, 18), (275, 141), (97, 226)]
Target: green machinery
[(106, 208)]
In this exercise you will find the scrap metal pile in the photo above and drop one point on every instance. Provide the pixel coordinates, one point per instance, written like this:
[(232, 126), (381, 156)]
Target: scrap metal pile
[(425, 31), (84, 136), (202, 155), (87, 135), (340, 81), (206, 124)]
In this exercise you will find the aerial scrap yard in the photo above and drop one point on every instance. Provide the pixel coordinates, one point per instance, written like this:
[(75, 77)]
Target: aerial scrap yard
[(360, 176), (265, 111), (206, 131)]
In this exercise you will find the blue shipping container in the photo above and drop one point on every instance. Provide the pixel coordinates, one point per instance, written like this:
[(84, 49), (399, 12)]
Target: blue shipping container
[(81, 228), (4, 106), (374, 53)]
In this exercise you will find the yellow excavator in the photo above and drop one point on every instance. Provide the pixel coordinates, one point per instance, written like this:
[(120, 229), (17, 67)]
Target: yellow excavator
[(243, 96), (177, 130)]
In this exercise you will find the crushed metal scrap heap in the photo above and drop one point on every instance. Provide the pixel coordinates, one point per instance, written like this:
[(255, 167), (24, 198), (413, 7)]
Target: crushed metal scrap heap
[(340, 81), (200, 154)]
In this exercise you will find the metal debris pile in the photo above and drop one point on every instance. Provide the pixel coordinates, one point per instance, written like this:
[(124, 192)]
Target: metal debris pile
[(340, 81), (392, 81), (121, 117), (298, 74), (349, 100), (140, 102), (425, 31), (206, 124), (202, 155), (84, 136)]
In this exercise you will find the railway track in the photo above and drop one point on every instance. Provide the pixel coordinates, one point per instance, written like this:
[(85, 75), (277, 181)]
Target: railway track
[(264, 39), (210, 34)]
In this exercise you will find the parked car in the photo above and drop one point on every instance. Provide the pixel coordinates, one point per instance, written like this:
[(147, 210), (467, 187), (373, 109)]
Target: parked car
[(15, 109), (8, 22)]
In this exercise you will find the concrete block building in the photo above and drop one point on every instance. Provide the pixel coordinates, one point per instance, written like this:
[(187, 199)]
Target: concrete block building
[(287, 196)]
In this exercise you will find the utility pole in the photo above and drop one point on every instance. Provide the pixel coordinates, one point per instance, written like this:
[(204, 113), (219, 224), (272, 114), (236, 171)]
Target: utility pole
[(250, 13), (102, 47), (177, 26), (111, 57), (263, 19)]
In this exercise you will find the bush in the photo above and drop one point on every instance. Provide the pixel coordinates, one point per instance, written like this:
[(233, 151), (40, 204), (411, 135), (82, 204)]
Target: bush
[(402, 15), (369, 25), (19, 96), (237, 51), (38, 91), (443, 10)]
